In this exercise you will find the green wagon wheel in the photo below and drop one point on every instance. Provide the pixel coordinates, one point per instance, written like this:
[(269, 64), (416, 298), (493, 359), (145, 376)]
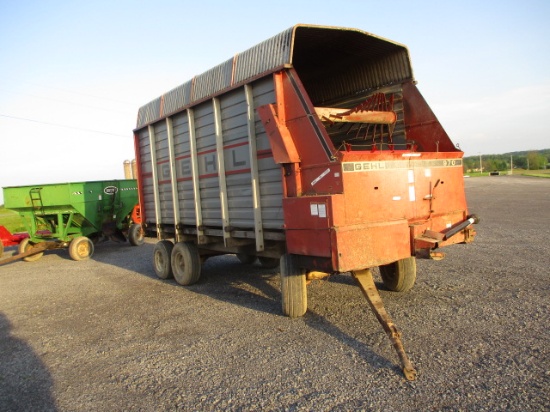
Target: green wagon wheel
[(186, 263), (81, 248), (399, 276), (293, 288), (135, 235), (25, 246), (161, 259)]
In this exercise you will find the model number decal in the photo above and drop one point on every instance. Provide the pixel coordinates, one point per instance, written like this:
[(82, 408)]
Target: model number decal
[(399, 164)]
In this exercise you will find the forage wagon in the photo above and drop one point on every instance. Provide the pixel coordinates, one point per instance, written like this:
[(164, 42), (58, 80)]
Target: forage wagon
[(313, 149)]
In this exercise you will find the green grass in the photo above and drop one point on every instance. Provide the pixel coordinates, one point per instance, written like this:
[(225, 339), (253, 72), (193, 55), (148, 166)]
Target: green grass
[(516, 172), (11, 220), (536, 173)]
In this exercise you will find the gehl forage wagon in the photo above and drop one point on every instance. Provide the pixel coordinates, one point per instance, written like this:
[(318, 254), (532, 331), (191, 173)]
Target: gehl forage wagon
[(313, 149)]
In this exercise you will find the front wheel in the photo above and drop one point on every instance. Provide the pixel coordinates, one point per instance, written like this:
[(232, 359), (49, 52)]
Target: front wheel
[(186, 263), (81, 248), (399, 276), (293, 288), (25, 246), (135, 235)]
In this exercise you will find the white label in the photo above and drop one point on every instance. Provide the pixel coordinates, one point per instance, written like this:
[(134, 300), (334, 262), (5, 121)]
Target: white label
[(326, 172), (428, 172), (396, 198), (412, 196), (314, 210), (411, 176), (322, 210)]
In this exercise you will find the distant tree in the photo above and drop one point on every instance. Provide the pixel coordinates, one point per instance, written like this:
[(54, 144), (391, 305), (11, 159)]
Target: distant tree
[(502, 164), (470, 164), (536, 161), (489, 165), (520, 162)]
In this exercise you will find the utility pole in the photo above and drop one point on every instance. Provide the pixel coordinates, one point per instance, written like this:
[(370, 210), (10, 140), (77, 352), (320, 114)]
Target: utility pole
[(480, 164)]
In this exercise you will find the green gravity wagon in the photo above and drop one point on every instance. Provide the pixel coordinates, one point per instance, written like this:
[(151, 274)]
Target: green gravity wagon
[(75, 216)]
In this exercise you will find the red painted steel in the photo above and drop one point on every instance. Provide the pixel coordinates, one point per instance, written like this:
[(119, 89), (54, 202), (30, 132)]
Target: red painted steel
[(140, 174), (368, 208), (11, 239)]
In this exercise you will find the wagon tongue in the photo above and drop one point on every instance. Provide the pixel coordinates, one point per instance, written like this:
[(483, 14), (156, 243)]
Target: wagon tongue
[(366, 283), (38, 248)]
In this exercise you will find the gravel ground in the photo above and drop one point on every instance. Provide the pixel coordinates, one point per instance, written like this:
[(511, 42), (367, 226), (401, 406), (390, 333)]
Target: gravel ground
[(106, 334)]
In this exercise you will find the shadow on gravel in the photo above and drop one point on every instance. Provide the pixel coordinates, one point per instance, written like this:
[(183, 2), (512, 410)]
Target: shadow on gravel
[(362, 349), (25, 383), (226, 279), (126, 256), (251, 286)]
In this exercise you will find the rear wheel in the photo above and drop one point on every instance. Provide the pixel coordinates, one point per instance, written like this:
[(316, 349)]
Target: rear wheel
[(25, 246), (81, 248), (135, 235), (293, 288), (186, 263), (161, 259), (399, 276)]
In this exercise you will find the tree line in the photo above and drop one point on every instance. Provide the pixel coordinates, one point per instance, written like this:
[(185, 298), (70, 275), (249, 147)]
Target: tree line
[(529, 160)]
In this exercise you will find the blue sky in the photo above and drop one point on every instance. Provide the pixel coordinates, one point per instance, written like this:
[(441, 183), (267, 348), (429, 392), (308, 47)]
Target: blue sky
[(74, 73)]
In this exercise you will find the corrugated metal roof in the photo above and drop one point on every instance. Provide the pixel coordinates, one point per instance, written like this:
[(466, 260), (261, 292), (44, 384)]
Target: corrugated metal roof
[(332, 62)]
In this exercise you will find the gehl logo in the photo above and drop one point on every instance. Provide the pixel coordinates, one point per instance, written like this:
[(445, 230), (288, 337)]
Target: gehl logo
[(235, 158)]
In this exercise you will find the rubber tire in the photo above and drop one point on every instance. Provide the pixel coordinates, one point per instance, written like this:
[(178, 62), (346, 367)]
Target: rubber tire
[(293, 288), (135, 235), (399, 276), (269, 263), (186, 263), (162, 255), (246, 259), (81, 248), (26, 245)]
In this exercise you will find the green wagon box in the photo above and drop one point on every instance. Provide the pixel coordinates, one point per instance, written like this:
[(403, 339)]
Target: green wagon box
[(76, 215)]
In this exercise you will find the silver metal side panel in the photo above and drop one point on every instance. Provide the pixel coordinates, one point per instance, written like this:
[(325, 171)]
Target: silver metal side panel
[(174, 166)]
